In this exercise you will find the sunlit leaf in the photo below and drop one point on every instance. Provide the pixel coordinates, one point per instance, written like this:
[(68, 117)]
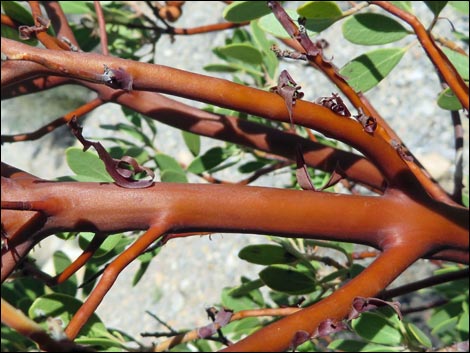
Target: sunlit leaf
[(270, 24), (108, 245), (419, 335), (345, 345), (376, 329), (166, 162), (269, 58), (74, 7), (448, 100), (241, 11), (367, 70), (173, 176), (372, 29), (193, 142), (460, 61), (63, 307), (86, 164), (320, 9), (461, 6), (243, 52), (404, 5), (61, 262)]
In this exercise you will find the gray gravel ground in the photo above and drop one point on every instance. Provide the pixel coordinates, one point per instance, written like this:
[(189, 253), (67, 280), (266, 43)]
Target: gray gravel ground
[(189, 274)]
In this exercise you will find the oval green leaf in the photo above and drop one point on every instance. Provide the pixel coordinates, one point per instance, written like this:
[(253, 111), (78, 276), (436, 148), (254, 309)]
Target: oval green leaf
[(173, 176), (108, 245), (404, 5), (74, 7), (367, 70), (61, 262), (241, 11), (436, 6), (62, 306), (419, 335), (461, 6), (17, 12), (287, 279), (345, 345), (222, 67), (266, 254), (376, 329), (192, 141), (166, 162), (320, 9), (86, 164), (208, 160), (243, 52), (372, 29), (270, 24), (460, 61), (447, 100)]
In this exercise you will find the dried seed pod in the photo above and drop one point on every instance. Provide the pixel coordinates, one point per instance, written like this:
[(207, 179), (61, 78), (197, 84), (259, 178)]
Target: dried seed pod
[(334, 103), (368, 122), (170, 13)]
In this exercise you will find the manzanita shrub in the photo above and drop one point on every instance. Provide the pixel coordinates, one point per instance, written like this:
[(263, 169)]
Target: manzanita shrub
[(302, 299)]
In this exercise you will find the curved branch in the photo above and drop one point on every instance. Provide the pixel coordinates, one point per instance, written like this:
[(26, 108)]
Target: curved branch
[(279, 335), (230, 95), (435, 54)]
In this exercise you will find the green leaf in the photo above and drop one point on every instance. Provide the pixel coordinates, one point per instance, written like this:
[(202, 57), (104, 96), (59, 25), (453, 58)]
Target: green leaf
[(243, 52), (436, 6), (74, 7), (18, 13), (367, 70), (376, 329), (61, 262), (131, 130), (166, 162), (104, 343), (266, 254), (237, 303), (62, 306), (245, 288), (320, 10), (241, 11), (140, 272), (288, 279), (461, 6), (173, 176), (193, 142), (270, 59), (108, 245), (251, 166), (345, 345), (445, 326), (404, 5), (372, 29), (448, 100), (418, 335), (319, 14), (86, 164), (460, 62), (207, 161), (230, 67), (270, 24)]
